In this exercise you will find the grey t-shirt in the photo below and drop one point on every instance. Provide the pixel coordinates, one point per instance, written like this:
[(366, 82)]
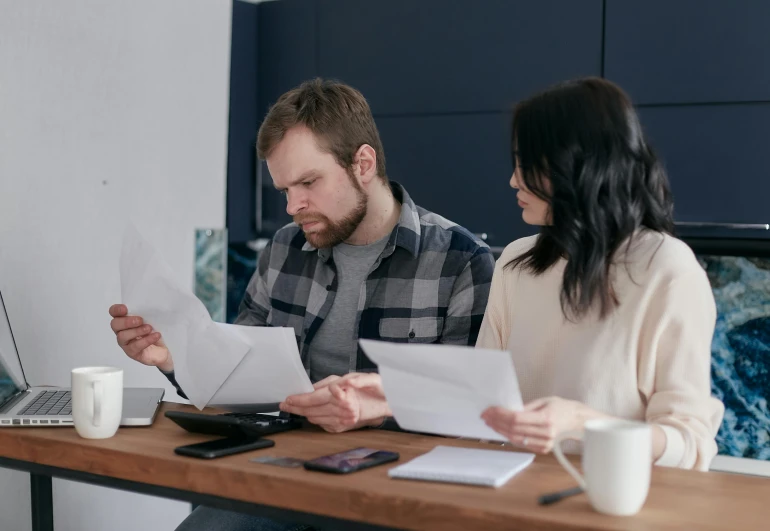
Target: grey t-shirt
[(334, 348)]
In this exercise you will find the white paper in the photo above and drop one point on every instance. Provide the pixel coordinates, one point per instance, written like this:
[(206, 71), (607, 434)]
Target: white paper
[(444, 389), (271, 371), (204, 354)]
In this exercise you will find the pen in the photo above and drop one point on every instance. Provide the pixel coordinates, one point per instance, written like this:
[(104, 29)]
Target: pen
[(553, 497)]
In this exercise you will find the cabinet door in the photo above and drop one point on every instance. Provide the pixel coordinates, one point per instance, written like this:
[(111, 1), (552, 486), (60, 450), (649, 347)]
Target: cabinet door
[(287, 47), (287, 57), (434, 56), (242, 134), (716, 156), (459, 167), (689, 51)]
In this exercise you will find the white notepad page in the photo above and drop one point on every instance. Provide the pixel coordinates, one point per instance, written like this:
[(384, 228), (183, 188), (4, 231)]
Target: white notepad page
[(491, 468)]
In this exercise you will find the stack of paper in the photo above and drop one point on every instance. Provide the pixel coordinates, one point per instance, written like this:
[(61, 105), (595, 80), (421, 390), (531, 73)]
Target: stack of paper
[(214, 363), (444, 389), (490, 468)]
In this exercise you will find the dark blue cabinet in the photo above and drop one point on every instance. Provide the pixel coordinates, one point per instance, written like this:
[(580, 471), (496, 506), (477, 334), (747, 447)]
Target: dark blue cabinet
[(448, 56), (716, 157), (288, 50), (442, 75), (458, 166), (287, 47), (689, 51), (244, 118)]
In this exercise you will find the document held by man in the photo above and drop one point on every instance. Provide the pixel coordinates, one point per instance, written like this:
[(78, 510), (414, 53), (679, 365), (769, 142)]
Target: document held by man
[(444, 389), (271, 371), (244, 365)]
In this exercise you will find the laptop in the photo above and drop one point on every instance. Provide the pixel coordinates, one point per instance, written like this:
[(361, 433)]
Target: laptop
[(23, 406)]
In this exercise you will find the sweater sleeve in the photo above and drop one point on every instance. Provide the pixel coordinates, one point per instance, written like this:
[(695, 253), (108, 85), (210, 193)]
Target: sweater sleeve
[(675, 370), (496, 325)]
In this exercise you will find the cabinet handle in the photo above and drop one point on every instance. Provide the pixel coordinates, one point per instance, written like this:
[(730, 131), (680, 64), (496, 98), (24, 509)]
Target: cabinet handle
[(711, 225)]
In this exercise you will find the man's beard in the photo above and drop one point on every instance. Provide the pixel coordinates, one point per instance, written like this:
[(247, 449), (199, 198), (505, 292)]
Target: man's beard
[(335, 233)]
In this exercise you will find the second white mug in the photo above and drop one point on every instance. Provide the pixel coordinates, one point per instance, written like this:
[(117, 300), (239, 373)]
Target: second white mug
[(617, 463), (97, 401)]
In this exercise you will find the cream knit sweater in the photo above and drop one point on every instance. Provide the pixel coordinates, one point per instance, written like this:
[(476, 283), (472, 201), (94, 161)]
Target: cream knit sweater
[(649, 360)]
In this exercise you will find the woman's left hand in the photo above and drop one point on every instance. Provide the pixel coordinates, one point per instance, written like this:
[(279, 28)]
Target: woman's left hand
[(537, 425)]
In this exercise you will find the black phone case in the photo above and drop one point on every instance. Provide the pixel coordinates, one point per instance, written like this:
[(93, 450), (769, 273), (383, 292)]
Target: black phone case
[(244, 446), (309, 465)]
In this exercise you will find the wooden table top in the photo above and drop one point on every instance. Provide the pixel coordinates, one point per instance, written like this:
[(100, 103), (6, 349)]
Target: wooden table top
[(678, 499)]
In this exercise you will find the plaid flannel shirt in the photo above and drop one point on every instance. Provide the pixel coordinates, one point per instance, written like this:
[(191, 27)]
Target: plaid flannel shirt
[(429, 285)]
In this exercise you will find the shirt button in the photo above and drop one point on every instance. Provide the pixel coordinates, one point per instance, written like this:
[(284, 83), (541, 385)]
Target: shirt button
[(329, 287), (411, 334)]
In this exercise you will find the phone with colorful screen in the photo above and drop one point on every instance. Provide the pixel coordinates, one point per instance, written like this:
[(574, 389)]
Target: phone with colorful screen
[(351, 460)]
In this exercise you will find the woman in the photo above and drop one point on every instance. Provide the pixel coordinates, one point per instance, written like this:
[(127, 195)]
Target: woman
[(605, 313)]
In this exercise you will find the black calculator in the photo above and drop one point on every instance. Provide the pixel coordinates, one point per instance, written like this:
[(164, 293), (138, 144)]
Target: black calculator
[(235, 424)]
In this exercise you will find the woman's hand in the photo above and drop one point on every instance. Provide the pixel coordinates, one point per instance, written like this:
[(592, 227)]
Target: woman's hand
[(538, 424)]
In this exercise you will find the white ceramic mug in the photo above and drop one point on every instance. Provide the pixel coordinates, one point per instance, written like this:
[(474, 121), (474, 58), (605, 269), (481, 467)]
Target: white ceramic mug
[(617, 461), (97, 401)]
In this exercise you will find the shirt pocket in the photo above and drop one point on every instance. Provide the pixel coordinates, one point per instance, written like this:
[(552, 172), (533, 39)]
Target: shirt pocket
[(411, 329)]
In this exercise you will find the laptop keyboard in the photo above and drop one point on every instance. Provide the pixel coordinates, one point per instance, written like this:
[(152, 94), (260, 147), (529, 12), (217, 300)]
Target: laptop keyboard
[(49, 403)]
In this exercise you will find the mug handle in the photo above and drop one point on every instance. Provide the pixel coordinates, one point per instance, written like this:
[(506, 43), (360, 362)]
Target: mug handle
[(578, 436), (98, 392)]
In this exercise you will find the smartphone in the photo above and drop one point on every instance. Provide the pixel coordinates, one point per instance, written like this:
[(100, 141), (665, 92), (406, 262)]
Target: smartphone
[(351, 460), (223, 447)]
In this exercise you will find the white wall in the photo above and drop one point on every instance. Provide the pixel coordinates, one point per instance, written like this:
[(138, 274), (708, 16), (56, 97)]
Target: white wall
[(107, 110)]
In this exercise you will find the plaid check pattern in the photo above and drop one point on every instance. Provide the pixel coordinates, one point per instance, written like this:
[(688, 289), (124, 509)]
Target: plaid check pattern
[(430, 284)]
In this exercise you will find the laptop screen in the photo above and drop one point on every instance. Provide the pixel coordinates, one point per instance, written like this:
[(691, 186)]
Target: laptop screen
[(8, 387), (11, 382)]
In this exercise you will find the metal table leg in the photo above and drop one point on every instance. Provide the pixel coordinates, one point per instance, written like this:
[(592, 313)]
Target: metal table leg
[(42, 502)]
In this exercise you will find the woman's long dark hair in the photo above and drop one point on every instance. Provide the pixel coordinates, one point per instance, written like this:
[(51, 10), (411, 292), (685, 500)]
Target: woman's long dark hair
[(581, 148)]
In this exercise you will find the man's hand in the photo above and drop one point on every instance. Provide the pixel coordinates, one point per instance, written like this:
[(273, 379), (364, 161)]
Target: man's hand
[(342, 403), (138, 340)]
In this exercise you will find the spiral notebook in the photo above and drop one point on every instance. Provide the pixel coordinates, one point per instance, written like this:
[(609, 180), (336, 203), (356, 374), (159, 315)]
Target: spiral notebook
[(489, 468)]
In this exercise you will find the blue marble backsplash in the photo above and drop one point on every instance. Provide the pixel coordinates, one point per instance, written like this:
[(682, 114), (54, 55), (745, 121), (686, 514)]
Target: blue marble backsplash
[(222, 273), (211, 270), (241, 265), (740, 352)]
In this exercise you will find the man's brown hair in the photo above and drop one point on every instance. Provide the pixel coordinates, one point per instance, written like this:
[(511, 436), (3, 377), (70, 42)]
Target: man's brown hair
[(336, 113)]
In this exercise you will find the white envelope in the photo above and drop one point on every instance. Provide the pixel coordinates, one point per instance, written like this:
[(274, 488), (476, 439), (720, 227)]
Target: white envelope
[(443, 389)]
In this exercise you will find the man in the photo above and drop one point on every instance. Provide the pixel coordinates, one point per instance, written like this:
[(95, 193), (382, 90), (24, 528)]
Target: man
[(361, 260)]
